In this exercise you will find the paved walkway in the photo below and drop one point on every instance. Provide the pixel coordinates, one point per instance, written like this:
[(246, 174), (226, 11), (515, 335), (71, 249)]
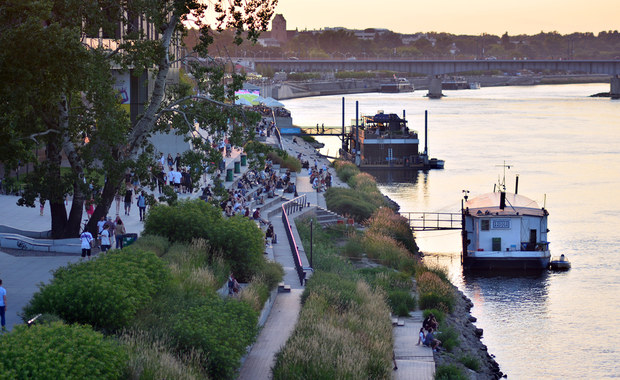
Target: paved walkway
[(414, 362)]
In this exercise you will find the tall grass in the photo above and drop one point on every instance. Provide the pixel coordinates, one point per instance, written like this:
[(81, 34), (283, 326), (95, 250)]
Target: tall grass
[(434, 292), (387, 222), (153, 359), (329, 343)]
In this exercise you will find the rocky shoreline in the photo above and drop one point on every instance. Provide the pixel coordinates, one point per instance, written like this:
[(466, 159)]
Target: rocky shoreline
[(470, 344)]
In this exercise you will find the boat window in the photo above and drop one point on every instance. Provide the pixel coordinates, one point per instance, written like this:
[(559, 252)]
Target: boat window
[(484, 224)]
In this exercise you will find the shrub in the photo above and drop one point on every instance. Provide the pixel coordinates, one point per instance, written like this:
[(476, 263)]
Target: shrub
[(255, 294), (272, 274), (172, 222), (241, 244), (285, 161), (106, 292), (470, 362), (449, 338), (449, 372), (345, 170), (221, 329), (59, 351), (385, 221), (157, 244), (434, 292), (348, 202), (401, 302)]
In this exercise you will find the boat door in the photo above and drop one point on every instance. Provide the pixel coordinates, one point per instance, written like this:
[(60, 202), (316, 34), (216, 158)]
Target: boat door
[(532, 242)]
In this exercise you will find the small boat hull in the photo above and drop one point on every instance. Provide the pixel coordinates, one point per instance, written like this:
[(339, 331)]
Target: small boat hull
[(559, 264)]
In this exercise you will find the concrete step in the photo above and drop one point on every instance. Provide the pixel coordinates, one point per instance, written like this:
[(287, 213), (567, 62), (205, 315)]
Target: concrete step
[(282, 288)]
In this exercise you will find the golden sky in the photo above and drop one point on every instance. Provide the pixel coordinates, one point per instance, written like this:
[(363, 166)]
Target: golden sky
[(471, 17)]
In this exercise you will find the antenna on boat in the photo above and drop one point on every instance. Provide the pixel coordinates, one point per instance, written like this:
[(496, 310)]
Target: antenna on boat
[(502, 183)]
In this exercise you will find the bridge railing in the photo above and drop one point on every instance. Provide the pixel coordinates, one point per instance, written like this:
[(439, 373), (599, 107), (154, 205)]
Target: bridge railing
[(433, 221)]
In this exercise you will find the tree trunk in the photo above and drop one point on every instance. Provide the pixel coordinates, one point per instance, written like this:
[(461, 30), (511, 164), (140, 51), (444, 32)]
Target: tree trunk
[(107, 196)]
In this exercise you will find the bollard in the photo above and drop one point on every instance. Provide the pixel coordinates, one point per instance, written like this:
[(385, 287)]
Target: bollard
[(229, 175), (237, 167)]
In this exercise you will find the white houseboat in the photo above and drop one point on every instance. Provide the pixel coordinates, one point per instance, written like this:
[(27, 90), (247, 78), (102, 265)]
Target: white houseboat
[(503, 230)]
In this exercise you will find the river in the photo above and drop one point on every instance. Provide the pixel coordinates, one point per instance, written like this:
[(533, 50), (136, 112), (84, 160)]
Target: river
[(565, 147)]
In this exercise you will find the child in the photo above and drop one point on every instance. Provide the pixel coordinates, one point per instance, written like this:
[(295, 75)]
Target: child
[(421, 338)]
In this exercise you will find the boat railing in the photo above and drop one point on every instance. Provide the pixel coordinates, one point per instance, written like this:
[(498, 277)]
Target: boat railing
[(539, 246)]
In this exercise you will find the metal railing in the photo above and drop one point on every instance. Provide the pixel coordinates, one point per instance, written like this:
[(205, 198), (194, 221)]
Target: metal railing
[(294, 205), (433, 221)]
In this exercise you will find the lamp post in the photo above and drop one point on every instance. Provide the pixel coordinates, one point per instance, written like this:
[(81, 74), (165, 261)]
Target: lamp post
[(311, 223)]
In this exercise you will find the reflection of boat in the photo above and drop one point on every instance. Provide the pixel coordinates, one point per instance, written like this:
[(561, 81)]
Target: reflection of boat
[(503, 230), (397, 85), (559, 263)]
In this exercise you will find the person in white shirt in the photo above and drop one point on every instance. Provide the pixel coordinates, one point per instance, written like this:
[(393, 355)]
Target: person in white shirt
[(86, 238), (105, 238)]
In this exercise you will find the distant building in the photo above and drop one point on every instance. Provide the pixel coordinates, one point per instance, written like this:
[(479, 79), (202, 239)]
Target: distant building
[(278, 28)]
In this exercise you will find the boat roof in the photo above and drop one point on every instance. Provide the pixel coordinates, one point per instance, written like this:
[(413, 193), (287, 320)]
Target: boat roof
[(516, 204)]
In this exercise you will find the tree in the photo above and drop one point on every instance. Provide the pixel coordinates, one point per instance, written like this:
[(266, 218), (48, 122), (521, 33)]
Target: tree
[(58, 91)]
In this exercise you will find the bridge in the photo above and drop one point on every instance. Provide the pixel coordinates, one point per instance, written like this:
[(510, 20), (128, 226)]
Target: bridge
[(441, 67), (433, 221)]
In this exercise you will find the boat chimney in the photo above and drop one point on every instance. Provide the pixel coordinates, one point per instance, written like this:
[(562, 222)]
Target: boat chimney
[(426, 132), (502, 200), (517, 184)]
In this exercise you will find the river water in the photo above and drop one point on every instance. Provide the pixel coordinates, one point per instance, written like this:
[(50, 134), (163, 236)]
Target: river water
[(565, 147)]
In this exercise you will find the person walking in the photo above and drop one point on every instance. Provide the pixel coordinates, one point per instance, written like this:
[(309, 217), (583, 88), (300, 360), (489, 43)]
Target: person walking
[(142, 205), (105, 238), (2, 307), (86, 238), (119, 232), (128, 198)]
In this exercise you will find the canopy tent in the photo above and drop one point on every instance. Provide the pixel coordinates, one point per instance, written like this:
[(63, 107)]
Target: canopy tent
[(271, 102), (243, 102)]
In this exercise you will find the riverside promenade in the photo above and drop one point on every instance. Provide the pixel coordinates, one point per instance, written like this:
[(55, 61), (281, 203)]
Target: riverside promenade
[(22, 274)]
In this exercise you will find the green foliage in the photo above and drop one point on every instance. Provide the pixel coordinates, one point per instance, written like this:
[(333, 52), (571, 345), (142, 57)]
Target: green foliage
[(172, 221), (386, 222), (401, 302), (346, 170), (157, 244), (303, 76), (470, 362), (153, 359), (449, 372), (242, 245), (435, 293), (272, 273), (334, 343), (221, 328), (308, 139), (449, 337), (345, 201), (285, 161), (339, 292), (106, 292), (59, 351)]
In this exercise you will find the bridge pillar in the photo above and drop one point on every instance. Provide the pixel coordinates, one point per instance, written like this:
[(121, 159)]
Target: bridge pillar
[(434, 88), (615, 87)]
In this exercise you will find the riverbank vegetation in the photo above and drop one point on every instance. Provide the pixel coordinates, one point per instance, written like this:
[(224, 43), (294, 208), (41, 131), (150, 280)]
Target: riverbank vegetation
[(162, 301)]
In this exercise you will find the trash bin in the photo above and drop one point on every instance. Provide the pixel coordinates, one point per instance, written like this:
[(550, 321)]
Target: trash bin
[(128, 239), (244, 159), (229, 175), (237, 167)]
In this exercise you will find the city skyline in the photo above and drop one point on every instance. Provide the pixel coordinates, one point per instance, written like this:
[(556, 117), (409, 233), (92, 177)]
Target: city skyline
[(455, 16)]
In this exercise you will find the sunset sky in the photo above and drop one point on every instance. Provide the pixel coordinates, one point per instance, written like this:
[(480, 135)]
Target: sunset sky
[(471, 17)]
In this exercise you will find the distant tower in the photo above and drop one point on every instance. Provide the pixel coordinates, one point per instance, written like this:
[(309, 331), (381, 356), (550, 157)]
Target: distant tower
[(278, 28)]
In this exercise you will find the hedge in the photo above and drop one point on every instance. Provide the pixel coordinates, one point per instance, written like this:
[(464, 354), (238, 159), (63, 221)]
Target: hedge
[(105, 292), (59, 351)]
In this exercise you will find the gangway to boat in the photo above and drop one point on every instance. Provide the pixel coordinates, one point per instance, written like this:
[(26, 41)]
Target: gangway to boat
[(324, 131), (433, 221)]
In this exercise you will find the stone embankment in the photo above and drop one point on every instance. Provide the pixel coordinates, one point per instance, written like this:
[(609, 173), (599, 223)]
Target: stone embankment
[(470, 343)]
